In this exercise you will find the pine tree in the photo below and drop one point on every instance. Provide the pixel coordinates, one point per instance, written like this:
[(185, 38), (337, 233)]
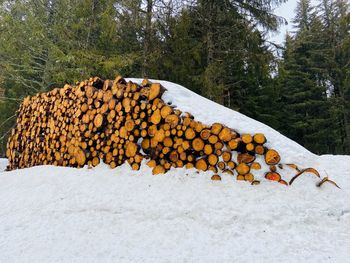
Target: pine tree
[(45, 44), (304, 15), (335, 27), (305, 107)]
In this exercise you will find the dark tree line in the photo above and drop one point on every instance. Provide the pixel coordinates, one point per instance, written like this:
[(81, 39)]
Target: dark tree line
[(314, 78), (216, 48)]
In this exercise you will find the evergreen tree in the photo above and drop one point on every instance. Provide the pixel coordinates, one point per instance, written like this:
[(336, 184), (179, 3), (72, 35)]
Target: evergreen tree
[(44, 44), (304, 15), (305, 110), (312, 78), (216, 48), (336, 57)]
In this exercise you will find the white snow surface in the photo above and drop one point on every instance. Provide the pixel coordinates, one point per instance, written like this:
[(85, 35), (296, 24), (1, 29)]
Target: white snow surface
[(59, 214)]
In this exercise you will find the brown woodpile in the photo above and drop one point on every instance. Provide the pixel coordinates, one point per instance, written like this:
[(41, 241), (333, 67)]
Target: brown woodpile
[(117, 121)]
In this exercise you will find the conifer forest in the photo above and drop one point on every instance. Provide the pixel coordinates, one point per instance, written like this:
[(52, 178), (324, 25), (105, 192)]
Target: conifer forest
[(218, 49)]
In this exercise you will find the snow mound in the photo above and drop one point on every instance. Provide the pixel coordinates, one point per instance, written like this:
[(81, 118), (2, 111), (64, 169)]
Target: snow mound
[(58, 214)]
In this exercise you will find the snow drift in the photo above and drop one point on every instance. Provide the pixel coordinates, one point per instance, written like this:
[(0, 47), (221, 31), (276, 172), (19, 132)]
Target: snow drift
[(57, 214)]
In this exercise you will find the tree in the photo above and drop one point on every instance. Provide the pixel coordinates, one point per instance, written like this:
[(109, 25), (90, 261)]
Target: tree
[(305, 115), (312, 78), (334, 16), (45, 44), (304, 15)]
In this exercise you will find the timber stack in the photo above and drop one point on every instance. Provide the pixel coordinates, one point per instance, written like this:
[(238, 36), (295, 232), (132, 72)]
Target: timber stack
[(117, 121)]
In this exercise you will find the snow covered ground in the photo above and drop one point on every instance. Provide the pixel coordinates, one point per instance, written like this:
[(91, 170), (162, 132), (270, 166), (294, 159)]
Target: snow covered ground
[(56, 214)]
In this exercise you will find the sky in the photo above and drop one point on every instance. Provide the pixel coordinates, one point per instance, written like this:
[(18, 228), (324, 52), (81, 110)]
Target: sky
[(287, 11)]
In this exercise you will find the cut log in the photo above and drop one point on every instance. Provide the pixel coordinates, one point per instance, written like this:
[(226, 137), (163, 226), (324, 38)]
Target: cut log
[(247, 138), (198, 126), (135, 166), (242, 168), (131, 149), (218, 145), (213, 169), (201, 164), (205, 133), (208, 149), (213, 139), (249, 177), (159, 169), (172, 120), (168, 142), (197, 144), (159, 135), (234, 143), (80, 157), (226, 156), (216, 128), (245, 158), (213, 159), (95, 161), (272, 157), (189, 165), (130, 125), (174, 156), (231, 164), (216, 177), (255, 166), (166, 111), (225, 134), (98, 120), (273, 176), (250, 147), (152, 163), (120, 79), (240, 177), (259, 138), (190, 134), (221, 165), (156, 117), (156, 91), (259, 149), (145, 144)]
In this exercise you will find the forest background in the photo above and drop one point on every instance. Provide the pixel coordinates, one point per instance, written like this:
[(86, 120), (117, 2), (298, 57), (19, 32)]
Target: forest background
[(218, 48)]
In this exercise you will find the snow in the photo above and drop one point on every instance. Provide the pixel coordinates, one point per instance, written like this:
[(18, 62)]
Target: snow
[(58, 214)]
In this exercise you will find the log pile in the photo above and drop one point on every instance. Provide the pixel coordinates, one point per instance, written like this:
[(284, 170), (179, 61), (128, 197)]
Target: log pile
[(118, 121)]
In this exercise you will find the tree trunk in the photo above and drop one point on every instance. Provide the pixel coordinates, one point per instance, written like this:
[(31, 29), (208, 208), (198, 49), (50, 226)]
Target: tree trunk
[(147, 38)]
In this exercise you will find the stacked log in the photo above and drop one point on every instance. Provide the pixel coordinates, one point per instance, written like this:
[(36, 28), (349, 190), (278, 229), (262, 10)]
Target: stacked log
[(117, 121)]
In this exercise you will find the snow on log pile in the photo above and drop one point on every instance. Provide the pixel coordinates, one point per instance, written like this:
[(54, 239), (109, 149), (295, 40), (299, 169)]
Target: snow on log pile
[(122, 121)]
